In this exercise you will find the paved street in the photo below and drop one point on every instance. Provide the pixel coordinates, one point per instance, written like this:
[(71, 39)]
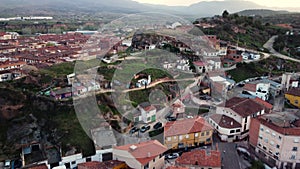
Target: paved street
[(269, 45)]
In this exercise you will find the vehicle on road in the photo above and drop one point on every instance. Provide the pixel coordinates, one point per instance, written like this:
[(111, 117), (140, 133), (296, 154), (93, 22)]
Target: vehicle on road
[(172, 156), (171, 118), (144, 128), (133, 130), (157, 125), (189, 117)]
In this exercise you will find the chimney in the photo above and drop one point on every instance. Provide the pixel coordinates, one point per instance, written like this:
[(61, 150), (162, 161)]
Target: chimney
[(149, 154), (133, 147)]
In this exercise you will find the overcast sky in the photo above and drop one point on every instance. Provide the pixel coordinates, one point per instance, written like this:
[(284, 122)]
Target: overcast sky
[(268, 3)]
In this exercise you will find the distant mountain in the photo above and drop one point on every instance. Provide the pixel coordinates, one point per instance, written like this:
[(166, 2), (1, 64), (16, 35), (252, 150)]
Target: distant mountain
[(201, 9), (210, 8), (260, 12)]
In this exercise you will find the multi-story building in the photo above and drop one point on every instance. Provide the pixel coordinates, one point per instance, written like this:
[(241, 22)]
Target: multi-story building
[(275, 138), (237, 115), (293, 96), (187, 133), (260, 90), (144, 155)]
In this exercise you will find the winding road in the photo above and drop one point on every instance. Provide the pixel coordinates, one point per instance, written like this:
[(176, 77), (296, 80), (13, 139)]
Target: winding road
[(269, 45)]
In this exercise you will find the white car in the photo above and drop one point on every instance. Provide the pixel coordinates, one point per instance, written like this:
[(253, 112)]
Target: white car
[(172, 156), (189, 117)]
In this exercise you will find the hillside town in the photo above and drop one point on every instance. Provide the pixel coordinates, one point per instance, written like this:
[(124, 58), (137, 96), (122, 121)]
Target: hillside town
[(205, 118)]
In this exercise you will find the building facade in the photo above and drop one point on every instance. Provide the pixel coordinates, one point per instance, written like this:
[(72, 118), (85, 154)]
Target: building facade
[(187, 133)]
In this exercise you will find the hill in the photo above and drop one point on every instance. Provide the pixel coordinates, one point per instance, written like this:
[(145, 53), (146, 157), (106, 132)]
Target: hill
[(260, 12)]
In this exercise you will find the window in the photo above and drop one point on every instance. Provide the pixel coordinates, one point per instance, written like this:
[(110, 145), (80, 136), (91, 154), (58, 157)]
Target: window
[(273, 134), (73, 162), (246, 119), (88, 159), (207, 133), (196, 134), (296, 102), (259, 144), (175, 137), (169, 138), (296, 140), (238, 130), (202, 134), (267, 131), (293, 157), (180, 137), (260, 136), (279, 137), (295, 149), (266, 140), (208, 140), (153, 159), (262, 129), (272, 143), (187, 136), (265, 148), (231, 131), (277, 146)]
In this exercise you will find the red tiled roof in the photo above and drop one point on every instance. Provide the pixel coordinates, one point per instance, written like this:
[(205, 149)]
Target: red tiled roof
[(264, 103), (294, 91), (199, 63), (225, 121), (243, 106), (176, 167), (144, 151), (250, 87), (186, 126), (200, 158), (90, 165), (40, 166), (100, 165), (295, 131)]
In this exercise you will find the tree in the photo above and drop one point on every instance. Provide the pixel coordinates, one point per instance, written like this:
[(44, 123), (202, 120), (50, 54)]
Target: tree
[(225, 14)]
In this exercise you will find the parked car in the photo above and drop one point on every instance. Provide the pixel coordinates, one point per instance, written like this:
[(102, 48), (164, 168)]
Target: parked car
[(7, 164), (172, 156), (189, 117), (171, 118), (157, 125), (144, 128), (133, 130)]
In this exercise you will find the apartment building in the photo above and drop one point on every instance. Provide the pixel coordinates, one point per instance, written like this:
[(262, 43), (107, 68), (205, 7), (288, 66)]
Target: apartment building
[(275, 137)]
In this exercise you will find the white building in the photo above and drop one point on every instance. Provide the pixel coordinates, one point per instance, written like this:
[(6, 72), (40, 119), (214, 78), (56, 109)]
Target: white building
[(260, 90), (148, 112), (240, 110)]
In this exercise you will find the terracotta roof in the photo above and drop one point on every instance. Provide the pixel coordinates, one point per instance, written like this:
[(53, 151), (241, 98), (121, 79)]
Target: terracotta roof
[(294, 91), (225, 121), (144, 151), (264, 103), (100, 165), (293, 131), (176, 167), (243, 106), (200, 158), (199, 63), (250, 87), (39, 166), (147, 106), (186, 126), (90, 165)]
